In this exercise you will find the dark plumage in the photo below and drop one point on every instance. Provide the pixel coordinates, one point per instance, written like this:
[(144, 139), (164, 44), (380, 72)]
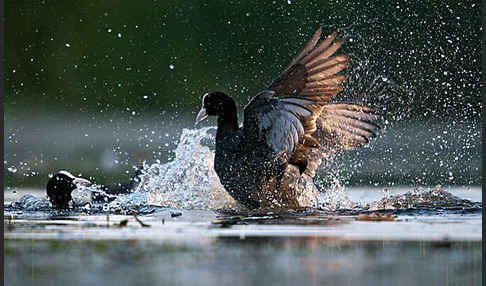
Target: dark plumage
[(60, 187), (288, 129)]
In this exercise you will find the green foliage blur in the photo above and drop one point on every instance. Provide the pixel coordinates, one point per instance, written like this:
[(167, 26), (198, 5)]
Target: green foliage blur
[(150, 56)]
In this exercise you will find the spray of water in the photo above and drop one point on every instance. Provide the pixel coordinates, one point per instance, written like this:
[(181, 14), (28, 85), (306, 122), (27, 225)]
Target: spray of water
[(188, 181)]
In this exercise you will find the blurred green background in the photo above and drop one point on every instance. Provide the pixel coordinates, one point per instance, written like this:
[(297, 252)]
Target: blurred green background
[(99, 86)]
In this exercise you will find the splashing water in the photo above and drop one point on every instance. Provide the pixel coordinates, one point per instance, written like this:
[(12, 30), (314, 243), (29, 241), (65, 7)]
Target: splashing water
[(334, 197), (189, 181), (30, 202), (331, 191), (421, 198)]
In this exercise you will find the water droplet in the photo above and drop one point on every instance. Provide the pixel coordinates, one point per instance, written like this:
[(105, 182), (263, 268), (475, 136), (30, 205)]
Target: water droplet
[(171, 66), (119, 35), (68, 45), (12, 169)]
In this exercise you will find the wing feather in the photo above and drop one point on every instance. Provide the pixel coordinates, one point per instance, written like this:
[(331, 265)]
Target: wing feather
[(294, 115), (323, 63), (326, 72), (325, 82), (325, 53), (307, 48), (321, 49)]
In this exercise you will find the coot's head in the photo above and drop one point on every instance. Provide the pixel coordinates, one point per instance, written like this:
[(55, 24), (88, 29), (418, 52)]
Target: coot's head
[(215, 104), (60, 186)]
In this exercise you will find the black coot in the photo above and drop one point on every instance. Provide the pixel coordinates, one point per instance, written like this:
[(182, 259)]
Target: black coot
[(288, 128), (60, 187), (62, 184)]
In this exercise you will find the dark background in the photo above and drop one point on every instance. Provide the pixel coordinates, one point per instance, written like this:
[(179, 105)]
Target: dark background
[(99, 86)]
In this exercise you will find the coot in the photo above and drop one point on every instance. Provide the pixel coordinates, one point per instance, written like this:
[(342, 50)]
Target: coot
[(288, 128), (60, 187), (62, 184)]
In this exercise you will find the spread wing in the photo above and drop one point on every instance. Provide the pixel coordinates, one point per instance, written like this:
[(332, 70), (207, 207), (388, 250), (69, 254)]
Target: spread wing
[(294, 115)]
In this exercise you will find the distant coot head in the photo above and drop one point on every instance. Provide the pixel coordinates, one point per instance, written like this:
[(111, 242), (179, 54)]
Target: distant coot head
[(215, 104), (60, 187)]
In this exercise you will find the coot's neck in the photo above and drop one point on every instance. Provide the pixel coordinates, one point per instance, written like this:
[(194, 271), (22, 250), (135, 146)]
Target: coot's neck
[(228, 119)]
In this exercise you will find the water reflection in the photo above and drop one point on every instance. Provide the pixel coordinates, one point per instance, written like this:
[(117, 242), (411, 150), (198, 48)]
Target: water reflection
[(251, 261)]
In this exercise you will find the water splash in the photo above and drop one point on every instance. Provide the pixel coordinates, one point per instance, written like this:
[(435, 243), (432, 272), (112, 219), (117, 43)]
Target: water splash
[(328, 181), (30, 202), (335, 197), (421, 198), (126, 203), (189, 181)]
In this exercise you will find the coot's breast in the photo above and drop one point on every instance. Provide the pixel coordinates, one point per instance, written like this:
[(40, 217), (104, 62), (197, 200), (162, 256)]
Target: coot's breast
[(231, 165), (251, 174)]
